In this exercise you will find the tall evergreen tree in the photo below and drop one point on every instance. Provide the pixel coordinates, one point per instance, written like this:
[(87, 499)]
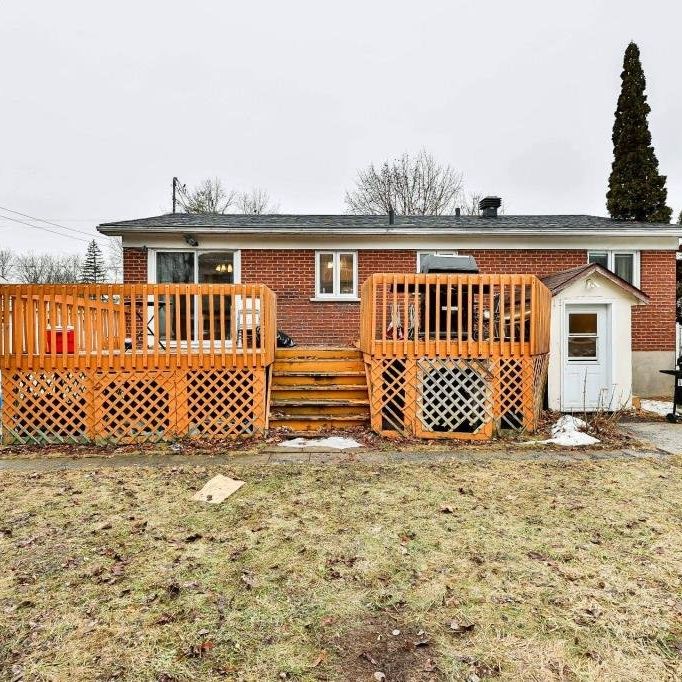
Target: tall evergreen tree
[(636, 190), (94, 269)]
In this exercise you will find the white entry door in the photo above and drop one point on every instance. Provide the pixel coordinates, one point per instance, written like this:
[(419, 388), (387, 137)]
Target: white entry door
[(586, 351)]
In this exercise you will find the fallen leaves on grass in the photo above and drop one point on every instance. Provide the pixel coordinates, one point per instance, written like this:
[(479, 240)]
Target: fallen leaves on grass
[(461, 628)]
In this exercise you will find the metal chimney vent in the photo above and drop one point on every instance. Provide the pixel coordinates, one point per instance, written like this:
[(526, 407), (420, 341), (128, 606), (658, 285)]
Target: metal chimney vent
[(488, 206)]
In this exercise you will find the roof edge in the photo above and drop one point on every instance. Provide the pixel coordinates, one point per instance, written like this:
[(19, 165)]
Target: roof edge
[(558, 281)]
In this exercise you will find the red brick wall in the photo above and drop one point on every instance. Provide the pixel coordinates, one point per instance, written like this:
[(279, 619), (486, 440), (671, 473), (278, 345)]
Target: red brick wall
[(515, 261), (653, 325), (291, 274), (134, 265)]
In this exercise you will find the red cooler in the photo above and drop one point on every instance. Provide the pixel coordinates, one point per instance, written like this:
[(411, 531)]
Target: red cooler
[(59, 336)]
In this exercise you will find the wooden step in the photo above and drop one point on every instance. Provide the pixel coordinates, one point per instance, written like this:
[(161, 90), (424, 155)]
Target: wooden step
[(318, 364), (286, 380), (310, 373), (315, 352), (321, 403), (311, 387), (316, 423), (324, 392), (319, 408)]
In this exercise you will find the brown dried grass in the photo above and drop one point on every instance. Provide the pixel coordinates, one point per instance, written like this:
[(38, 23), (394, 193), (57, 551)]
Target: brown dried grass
[(567, 571)]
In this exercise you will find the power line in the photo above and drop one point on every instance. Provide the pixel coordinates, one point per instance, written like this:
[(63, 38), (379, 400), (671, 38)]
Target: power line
[(46, 229), (47, 222)]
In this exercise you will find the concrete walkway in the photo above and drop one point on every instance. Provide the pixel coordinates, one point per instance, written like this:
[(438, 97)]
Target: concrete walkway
[(319, 458), (659, 434)]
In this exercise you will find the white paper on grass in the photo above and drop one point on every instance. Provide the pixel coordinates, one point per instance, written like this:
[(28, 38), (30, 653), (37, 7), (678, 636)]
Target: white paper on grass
[(660, 407), (217, 489), (566, 431), (334, 442)]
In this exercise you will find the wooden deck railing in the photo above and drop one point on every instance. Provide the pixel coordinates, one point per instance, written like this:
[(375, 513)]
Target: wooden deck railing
[(407, 315), (136, 326)]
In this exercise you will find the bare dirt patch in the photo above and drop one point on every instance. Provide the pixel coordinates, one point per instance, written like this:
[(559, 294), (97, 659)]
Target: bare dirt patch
[(386, 648)]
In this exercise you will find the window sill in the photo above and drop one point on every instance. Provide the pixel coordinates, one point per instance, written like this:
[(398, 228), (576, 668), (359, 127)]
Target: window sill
[(335, 299)]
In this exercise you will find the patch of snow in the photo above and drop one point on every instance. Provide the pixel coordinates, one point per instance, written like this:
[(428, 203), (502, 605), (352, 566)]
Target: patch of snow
[(566, 431), (334, 442), (660, 407)]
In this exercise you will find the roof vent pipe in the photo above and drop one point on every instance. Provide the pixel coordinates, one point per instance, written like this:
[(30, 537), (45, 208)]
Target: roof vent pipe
[(391, 216), (488, 206)]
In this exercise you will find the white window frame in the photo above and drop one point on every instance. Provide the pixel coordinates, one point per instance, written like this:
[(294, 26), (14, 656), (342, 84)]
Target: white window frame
[(151, 278), (336, 296), (596, 336), (433, 253), (611, 260), (236, 261)]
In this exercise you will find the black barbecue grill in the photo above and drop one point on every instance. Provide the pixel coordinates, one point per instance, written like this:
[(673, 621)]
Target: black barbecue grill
[(448, 265), (673, 417), (438, 309)]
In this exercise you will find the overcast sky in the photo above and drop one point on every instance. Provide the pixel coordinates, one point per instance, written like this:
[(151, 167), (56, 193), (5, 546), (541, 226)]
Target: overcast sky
[(102, 103)]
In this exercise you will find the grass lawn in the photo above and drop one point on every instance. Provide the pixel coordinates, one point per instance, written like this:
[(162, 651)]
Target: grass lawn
[(507, 570)]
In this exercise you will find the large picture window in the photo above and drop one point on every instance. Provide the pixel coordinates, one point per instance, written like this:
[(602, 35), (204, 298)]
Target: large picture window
[(625, 264), (194, 267), (336, 274)]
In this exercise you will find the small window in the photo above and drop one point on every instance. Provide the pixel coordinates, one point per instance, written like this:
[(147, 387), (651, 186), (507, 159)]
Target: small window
[(625, 264), (422, 254), (582, 336), (336, 274), (599, 257)]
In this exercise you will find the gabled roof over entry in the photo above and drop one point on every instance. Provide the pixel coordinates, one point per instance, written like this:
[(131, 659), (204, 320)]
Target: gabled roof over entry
[(559, 281)]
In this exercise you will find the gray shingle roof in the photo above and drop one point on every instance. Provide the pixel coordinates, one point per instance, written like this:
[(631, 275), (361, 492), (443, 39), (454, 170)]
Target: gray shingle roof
[(297, 222), (559, 281)]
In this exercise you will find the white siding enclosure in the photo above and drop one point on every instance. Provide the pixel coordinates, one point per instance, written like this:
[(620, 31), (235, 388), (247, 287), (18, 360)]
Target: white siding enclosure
[(590, 365)]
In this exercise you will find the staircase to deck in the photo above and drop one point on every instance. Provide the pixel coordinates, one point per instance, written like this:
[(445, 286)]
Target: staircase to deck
[(316, 389)]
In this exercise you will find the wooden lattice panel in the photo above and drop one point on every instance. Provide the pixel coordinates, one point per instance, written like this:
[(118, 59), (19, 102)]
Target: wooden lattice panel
[(454, 398), (519, 391), (392, 395), (466, 398), (135, 406), (45, 407), (539, 378), (224, 402), (511, 393)]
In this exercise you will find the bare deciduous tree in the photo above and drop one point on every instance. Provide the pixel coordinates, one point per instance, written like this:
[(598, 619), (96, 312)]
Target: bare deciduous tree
[(208, 197), (257, 201), (115, 258), (45, 268), (410, 185), (470, 201), (6, 264)]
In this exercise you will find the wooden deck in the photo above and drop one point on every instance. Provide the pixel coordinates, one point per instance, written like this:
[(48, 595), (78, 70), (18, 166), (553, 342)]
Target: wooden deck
[(128, 363), (454, 356)]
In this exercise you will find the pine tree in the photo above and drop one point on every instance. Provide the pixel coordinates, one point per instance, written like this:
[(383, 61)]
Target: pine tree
[(93, 270), (636, 190)]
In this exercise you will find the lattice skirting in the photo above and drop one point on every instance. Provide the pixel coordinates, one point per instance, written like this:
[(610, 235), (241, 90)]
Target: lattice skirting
[(75, 406), (466, 398)]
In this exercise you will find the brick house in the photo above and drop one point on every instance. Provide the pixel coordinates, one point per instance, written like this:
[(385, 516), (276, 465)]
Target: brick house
[(316, 264)]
